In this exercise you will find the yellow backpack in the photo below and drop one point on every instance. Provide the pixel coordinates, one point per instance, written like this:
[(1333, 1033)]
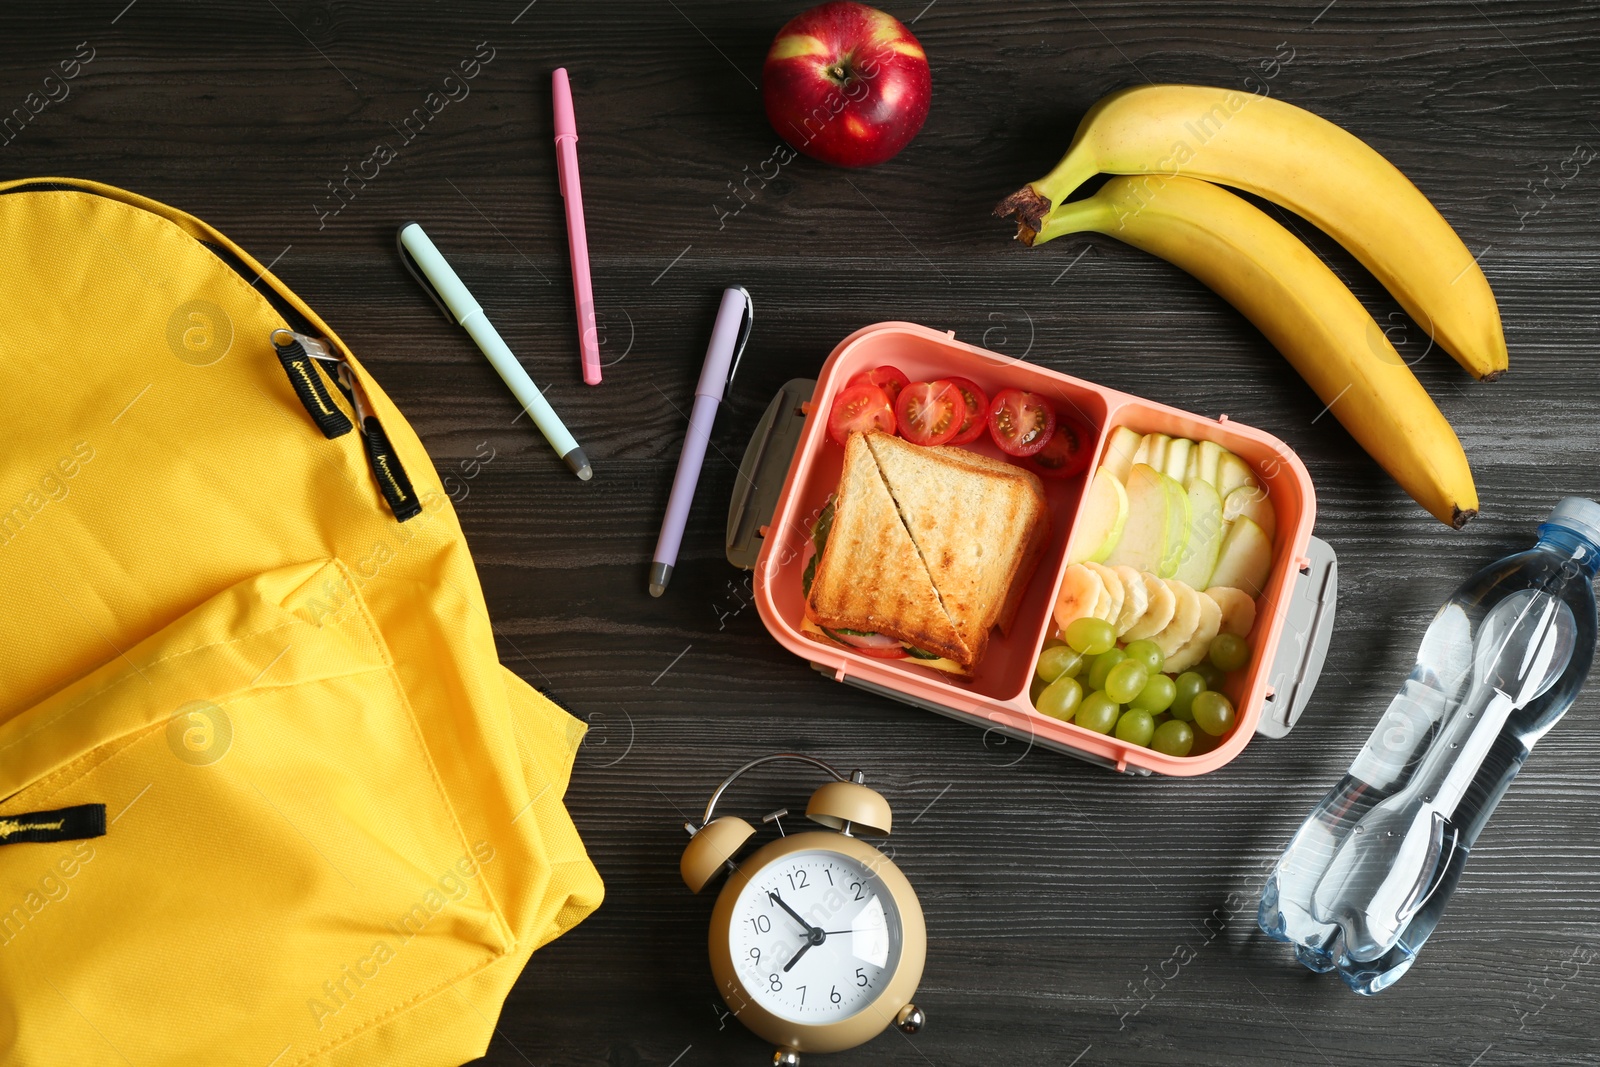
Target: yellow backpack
[(267, 795)]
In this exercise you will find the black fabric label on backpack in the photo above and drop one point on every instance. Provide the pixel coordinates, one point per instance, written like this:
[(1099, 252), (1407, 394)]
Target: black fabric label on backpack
[(387, 469), (63, 824), (313, 391)]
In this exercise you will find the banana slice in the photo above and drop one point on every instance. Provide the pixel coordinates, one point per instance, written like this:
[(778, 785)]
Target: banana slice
[(1185, 620), (1238, 609), (1195, 649), (1157, 614), (1113, 583), (1136, 599), (1081, 593)]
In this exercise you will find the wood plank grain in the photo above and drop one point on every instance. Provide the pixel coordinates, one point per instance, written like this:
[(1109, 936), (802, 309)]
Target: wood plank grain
[(1058, 895)]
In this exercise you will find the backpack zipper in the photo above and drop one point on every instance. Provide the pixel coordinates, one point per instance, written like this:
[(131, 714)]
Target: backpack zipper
[(305, 359)]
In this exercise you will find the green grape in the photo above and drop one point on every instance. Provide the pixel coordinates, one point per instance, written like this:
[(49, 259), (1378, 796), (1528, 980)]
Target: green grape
[(1213, 713), (1126, 680), (1060, 698), (1091, 636), (1052, 642), (1173, 738), (1056, 661), (1100, 669), (1211, 673), (1157, 695), (1229, 652), (1136, 727), (1097, 712), (1188, 686), (1035, 687), (1146, 652)]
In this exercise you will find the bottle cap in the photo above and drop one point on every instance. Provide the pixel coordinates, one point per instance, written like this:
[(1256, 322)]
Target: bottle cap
[(1580, 515)]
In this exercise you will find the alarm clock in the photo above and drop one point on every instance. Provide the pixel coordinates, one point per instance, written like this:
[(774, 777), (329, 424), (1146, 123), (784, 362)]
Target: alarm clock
[(817, 940)]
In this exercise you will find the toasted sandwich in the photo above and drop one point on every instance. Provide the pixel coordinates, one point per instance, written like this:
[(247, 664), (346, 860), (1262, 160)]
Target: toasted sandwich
[(978, 524), (929, 548)]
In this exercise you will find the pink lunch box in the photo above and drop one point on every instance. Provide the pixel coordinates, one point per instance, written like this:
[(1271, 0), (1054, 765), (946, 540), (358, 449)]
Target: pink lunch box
[(768, 528)]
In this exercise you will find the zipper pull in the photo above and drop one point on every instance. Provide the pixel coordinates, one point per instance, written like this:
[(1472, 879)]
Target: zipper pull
[(299, 355), (64, 824), (391, 476)]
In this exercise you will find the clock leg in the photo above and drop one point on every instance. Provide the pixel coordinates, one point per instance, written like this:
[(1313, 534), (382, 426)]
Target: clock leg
[(786, 1057), (910, 1019)]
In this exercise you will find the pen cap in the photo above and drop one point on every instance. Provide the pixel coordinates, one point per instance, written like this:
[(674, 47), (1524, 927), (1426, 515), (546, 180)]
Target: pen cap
[(438, 273), (566, 121), (725, 338)]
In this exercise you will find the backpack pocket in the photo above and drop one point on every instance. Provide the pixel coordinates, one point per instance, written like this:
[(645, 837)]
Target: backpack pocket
[(281, 868)]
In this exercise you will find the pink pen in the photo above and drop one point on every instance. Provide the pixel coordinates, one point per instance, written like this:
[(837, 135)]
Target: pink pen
[(567, 169)]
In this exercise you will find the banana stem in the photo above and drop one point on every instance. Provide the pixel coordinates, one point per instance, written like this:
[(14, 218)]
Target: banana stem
[(1030, 204)]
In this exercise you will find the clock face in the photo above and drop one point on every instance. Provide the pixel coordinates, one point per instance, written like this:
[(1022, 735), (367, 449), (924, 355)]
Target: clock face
[(815, 937)]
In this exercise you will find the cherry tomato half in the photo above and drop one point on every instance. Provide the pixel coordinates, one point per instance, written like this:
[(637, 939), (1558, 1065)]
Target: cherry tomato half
[(860, 409), (1066, 454), (929, 413), (977, 416), (1021, 422), (890, 379)]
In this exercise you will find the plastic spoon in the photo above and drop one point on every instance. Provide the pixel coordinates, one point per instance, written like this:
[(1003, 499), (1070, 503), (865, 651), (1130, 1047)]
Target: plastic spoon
[(1522, 649)]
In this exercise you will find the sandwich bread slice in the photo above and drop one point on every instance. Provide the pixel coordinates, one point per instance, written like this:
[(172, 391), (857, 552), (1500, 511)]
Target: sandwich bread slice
[(870, 578), (979, 525)]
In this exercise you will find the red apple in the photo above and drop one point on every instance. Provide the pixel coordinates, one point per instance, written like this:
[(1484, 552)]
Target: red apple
[(846, 84)]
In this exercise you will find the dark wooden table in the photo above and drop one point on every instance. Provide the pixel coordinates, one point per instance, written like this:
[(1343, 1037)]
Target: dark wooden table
[(1057, 894)]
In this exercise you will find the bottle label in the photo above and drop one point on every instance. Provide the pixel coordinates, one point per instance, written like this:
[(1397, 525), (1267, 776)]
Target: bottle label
[(1398, 740)]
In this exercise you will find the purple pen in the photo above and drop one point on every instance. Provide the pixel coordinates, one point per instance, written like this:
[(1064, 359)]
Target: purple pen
[(728, 338)]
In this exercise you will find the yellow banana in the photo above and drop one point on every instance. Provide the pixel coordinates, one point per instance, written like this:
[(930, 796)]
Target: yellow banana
[(1308, 313), (1305, 163)]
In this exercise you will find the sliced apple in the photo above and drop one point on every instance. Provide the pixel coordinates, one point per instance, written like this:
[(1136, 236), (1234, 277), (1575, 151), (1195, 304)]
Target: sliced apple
[(1254, 503), (1232, 472), (1185, 620), (1104, 515), (1205, 535), (1153, 450), (1176, 463), (1245, 559), (1210, 454), (1195, 649), (1144, 536), (1162, 604), (1113, 583), (1136, 598), (1119, 452), (1238, 609), (1177, 526), (1080, 593)]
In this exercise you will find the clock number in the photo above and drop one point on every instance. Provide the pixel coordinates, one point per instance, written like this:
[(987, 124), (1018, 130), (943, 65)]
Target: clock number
[(834, 996), (801, 884), (755, 954), (763, 924), (830, 876), (802, 993), (857, 887), (861, 978), (774, 982)]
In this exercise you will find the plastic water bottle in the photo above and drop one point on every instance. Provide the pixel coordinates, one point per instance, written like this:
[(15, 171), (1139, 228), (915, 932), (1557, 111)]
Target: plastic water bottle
[(1367, 876)]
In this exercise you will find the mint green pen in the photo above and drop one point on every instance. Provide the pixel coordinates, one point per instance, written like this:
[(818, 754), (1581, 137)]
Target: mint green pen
[(453, 298)]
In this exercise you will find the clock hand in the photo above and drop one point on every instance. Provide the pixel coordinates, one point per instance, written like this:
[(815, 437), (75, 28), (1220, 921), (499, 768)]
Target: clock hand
[(803, 950), (776, 899)]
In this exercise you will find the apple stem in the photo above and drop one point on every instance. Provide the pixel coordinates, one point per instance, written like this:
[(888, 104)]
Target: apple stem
[(838, 71)]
